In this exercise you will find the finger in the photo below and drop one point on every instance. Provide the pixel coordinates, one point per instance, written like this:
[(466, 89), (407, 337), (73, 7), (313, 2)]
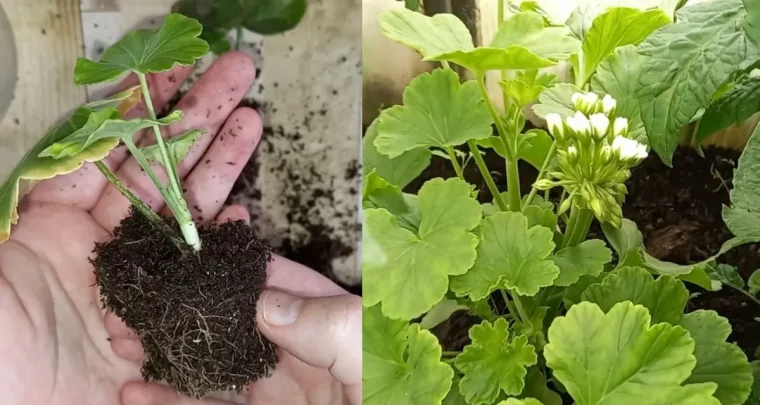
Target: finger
[(212, 179), (297, 279), (117, 329), (206, 106), (140, 393), (234, 213), (128, 349), (83, 187), (333, 324)]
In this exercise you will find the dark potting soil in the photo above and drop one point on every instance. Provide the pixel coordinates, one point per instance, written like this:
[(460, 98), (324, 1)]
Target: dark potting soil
[(678, 211), (194, 312)]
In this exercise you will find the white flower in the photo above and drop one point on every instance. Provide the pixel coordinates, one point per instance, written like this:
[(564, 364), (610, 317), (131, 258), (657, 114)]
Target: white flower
[(600, 123), (585, 102), (608, 104), (555, 125), (629, 149), (579, 124), (620, 126)]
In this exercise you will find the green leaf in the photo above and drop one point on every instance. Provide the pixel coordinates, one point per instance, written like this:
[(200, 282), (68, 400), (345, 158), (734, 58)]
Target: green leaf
[(122, 101), (217, 40), (483, 59), (524, 401), (268, 17), (401, 363), (413, 5), (619, 358), (664, 298), (718, 361), (144, 51), (586, 258), (728, 274), (493, 363), (535, 387), (408, 271), (526, 86), (617, 76), (754, 282), (104, 124), (624, 239), (573, 293), (441, 312), (438, 111), (693, 273), (556, 99), (541, 216), (533, 146), (378, 193), (33, 167), (430, 36), (752, 24), (733, 107), (509, 256), (618, 26), (454, 397), (528, 29), (399, 171), (177, 146), (684, 71), (743, 217)]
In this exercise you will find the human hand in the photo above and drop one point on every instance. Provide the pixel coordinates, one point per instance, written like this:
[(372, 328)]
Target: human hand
[(54, 345)]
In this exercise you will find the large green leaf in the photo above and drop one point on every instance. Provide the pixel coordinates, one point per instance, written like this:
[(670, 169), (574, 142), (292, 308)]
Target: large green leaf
[(268, 17), (378, 193), (438, 111), (529, 30), (536, 387), (408, 271), (177, 146), (617, 76), (441, 312), (556, 99), (618, 26), (718, 361), (624, 239), (585, 259), (483, 59), (688, 61), (143, 51), (664, 298), (619, 358), (523, 401), (509, 256), (733, 107), (401, 364), (33, 167), (104, 124), (743, 217), (526, 86), (493, 363), (430, 36), (752, 24), (400, 170)]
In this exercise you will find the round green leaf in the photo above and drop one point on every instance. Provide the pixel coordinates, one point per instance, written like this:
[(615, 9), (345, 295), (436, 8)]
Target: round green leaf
[(492, 363), (585, 259), (400, 170), (408, 271), (510, 256), (269, 17), (718, 361), (618, 358)]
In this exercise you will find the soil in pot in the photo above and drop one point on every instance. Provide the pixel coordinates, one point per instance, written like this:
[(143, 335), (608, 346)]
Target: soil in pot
[(193, 311), (678, 211)]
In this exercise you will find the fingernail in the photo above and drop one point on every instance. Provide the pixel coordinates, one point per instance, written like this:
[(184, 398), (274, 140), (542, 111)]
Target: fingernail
[(280, 309)]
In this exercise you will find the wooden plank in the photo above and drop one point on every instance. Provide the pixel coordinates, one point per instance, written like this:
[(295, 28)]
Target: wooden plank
[(48, 41)]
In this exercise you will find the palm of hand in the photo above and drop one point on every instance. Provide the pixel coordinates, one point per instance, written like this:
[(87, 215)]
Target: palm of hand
[(58, 346)]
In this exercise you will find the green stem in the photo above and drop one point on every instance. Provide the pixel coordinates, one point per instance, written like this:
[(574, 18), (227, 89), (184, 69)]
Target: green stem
[(455, 162), (238, 37), (542, 172), (124, 190), (450, 353), (513, 176), (520, 309), (577, 227), (504, 72), (746, 293), (445, 64), (173, 195), (486, 175)]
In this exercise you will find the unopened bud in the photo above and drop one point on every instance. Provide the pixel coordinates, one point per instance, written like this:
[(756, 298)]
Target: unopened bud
[(556, 126), (608, 105), (543, 184), (579, 124), (585, 102), (600, 124), (597, 207), (629, 149), (620, 127), (564, 206)]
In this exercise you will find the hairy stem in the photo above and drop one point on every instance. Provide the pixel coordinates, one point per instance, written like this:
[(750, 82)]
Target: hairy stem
[(542, 172), (746, 293), (513, 176), (238, 37), (173, 194), (577, 227), (520, 308), (455, 162), (487, 175), (124, 190)]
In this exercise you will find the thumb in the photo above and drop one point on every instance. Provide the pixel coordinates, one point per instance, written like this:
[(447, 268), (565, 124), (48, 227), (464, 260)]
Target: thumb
[(323, 332)]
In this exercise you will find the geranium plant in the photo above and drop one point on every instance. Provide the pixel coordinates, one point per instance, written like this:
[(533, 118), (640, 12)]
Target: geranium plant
[(562, 316)]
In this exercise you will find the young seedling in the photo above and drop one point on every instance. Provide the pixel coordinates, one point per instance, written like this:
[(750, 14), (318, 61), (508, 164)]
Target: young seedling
[(219, 17), (558, 312)]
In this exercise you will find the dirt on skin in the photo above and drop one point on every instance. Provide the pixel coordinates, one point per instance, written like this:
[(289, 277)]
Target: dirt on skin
[(678, 211), (194, 312)]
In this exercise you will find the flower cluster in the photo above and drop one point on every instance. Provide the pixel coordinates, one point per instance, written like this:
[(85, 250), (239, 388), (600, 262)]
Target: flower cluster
[(595, 156)]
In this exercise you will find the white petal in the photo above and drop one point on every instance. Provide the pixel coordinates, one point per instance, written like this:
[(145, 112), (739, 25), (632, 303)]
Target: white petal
[(608, 104), (620, 126), (600, 123), (579, 123)]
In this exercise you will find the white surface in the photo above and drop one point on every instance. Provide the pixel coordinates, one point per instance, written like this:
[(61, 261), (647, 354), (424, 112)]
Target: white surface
[(314, 111), (8, 63)]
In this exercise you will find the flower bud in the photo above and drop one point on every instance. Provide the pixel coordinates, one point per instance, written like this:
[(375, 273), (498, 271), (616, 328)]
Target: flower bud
[(608, 105), (600, 124), (620, 127), (585, 102), (543, 184), (564, 206), (571, 154), (556, 126), (596, 206), (579, 124), (606, 154), (629, 149)]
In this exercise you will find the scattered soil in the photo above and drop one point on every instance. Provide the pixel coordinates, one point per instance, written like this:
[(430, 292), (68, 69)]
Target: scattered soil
[(679, 213), (194, 312)]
